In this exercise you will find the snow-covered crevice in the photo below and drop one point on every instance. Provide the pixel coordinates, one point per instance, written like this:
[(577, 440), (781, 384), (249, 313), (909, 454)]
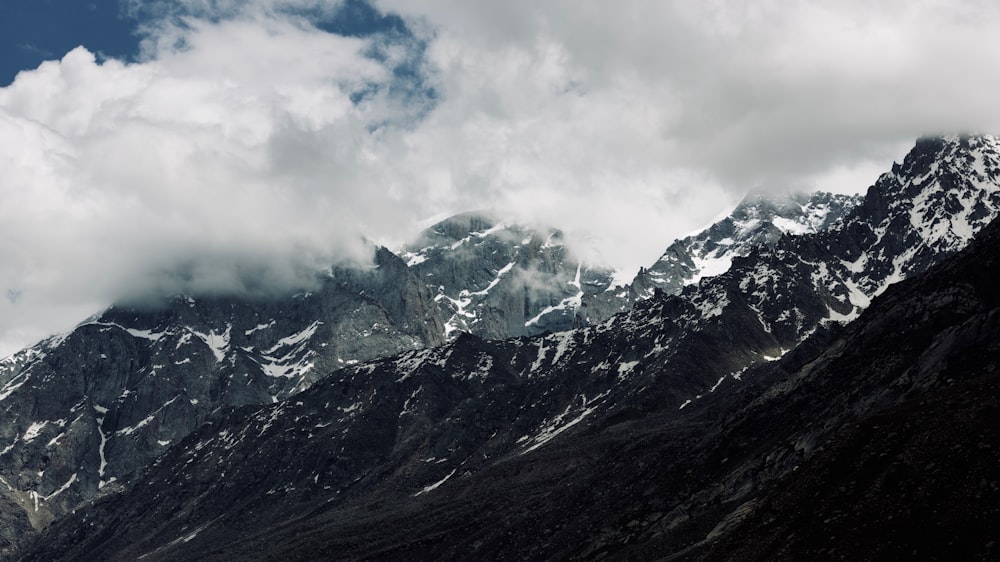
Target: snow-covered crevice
[(437, 484), (280, 369), (296, 360), (62, 488), (102, 411), (462, 317), (576, 279), (480, 234), (564, 344), (561, 344), (568, 304), (217, 342), (33, 431), (557, 426), (147, 420), (142, 334), (626, 367), (13, 384), (496, 281), (258, 328), (562, 422), (292, 340), (540, 358)]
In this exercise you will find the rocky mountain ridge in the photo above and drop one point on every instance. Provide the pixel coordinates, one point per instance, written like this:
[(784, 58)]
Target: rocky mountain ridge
[(608, 422), (759, 220), (82, 412), (498, 279)]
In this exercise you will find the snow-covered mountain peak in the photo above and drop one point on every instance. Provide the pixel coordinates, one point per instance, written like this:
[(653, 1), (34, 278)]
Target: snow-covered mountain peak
[(930, 205), (797, 213), (497, 278), (927, 208), (947, 187), (759, 220), (466, 231)]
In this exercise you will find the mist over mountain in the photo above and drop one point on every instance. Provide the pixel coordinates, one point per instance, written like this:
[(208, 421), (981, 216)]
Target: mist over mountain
[(188, 146), (468, 397)]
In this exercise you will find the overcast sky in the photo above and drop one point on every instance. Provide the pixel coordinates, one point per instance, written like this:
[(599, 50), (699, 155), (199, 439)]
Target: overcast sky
[(221, 145)]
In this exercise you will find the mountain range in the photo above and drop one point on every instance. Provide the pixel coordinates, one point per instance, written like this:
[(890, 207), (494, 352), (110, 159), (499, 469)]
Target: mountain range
[(811, 376)]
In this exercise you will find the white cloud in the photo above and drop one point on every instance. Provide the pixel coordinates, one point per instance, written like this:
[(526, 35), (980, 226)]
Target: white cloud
[(233, 155), (229, 164), (664, 111)]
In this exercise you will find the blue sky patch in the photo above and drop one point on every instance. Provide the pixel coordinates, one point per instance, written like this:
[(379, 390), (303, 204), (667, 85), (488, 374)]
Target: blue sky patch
[(33, 31)]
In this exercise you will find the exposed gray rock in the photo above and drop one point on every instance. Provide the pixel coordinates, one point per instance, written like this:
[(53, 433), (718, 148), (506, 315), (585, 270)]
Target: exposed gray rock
[(81, 413), (499, 280)]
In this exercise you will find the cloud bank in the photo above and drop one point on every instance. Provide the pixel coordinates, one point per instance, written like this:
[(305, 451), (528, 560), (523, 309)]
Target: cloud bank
[(250, 145)]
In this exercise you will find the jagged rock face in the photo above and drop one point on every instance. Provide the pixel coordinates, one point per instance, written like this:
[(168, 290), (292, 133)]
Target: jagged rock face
[(759, 220), (499, 280), (944, 192), (920, 371), (770, 299), (894, 232), (650, 434), (81, 413)]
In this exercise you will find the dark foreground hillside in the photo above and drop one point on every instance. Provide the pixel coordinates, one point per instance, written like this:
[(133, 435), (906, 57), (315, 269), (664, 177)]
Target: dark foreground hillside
[(916, 477)]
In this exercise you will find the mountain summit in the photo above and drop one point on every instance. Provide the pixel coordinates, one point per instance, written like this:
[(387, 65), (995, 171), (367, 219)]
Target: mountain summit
[(759, 220), (497, 279)]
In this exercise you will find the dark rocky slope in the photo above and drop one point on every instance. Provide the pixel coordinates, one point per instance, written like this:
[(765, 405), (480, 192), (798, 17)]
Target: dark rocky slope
[(81, 413), (915, 476)]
